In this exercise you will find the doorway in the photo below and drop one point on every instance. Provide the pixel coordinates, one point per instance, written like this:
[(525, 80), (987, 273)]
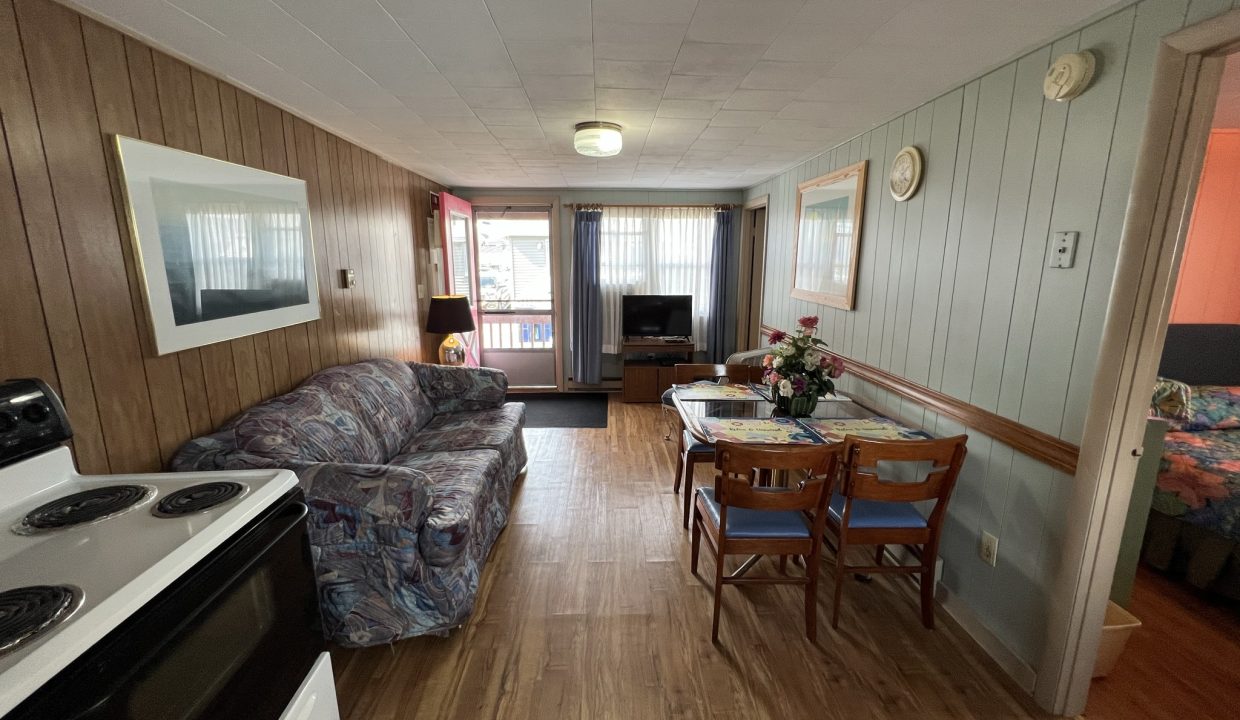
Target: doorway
[(516, 293), (750, 275), (1187, 73)]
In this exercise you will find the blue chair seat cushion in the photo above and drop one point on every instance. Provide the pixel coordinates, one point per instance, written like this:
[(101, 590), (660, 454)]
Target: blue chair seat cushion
[(694, 446), (876, 513), (747, 523)]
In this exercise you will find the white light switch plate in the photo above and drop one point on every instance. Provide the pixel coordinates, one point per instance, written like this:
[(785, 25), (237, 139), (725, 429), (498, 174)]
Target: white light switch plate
[(1063, 249)]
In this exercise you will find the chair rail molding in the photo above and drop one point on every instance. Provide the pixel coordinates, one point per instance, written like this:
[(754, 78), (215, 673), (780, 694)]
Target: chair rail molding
[(1043, 447)]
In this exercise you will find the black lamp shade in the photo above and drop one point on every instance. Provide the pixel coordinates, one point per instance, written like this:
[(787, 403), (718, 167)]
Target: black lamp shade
[(449, 314)]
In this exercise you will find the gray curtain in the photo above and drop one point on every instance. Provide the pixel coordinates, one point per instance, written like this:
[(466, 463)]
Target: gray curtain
[(587, 342), (717, 349)]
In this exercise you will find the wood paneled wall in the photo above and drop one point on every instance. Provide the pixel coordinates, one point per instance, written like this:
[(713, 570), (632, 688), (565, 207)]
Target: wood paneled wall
[(954, 293), (70, 298)]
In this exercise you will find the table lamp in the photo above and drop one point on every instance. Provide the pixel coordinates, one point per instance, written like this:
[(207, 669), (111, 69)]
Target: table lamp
[(449, 315)]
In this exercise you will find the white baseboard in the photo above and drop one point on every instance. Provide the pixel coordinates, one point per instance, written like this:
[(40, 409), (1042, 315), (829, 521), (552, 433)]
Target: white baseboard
[(1017, 669), (1008, 661)]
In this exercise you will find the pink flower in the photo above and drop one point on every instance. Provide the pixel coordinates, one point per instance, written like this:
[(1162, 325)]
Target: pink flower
[(766, 360), (809, 322), (837, 368), (773, 378), (778, 336)]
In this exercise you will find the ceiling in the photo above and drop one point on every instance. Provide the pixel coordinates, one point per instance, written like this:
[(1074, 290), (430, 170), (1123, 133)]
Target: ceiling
[(485, 93)]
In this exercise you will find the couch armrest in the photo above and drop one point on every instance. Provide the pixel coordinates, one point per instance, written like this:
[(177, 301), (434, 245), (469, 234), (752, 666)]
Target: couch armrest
[(355, 501), (454, 389)]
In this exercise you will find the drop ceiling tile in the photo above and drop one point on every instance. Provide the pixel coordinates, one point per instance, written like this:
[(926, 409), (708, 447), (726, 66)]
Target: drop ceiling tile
[(741, 21), (697, 58), (579, 110), (637, 41), (524, 143), (500, 116), (467, 139), (495, 98), (630, 120), (771, 75), (626, 99), (541, 20), (678, 126), (827, 42), (552, 58), (487, 76), (741, 118), (631, 74), (558, 87), (701, 87), (652, 11), (677, 108), (714, 132), (516, 132), (772, 100)]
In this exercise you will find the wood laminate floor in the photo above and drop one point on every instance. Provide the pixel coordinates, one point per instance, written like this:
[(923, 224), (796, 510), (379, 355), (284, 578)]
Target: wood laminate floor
[(587, 610), (1183, 662)]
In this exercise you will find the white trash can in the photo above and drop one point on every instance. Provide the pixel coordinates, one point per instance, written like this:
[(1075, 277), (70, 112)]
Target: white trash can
[(1117, 627)]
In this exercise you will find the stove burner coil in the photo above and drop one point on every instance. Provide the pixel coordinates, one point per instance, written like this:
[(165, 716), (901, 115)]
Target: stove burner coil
[(197, 498), (27, 612), (84, 507)]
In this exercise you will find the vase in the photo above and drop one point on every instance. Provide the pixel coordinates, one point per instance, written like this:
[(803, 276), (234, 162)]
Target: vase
[(798, 405)]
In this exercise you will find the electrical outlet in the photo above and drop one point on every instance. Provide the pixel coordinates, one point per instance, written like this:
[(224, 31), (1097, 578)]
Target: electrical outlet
[(989, 549)]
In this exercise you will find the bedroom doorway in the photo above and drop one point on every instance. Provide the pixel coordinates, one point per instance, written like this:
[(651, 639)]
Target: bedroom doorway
[(1188, 71)]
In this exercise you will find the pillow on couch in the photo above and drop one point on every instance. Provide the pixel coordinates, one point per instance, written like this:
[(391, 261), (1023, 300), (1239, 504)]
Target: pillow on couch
[(1170, 399)]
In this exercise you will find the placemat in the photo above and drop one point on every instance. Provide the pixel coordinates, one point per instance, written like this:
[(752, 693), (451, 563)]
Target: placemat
[(878, 428), (717, 392), (771, 431)]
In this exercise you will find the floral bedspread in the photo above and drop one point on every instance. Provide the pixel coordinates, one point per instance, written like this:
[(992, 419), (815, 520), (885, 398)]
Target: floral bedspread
[(1199, 480)]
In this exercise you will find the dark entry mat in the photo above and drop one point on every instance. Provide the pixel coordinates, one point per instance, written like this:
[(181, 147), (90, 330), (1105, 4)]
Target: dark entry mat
[(563, 410)]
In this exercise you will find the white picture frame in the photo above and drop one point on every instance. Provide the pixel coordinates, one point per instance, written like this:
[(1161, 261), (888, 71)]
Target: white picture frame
[(222, 250)]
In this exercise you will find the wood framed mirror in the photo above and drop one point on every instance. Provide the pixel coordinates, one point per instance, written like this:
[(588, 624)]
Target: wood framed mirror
[(828, 237)]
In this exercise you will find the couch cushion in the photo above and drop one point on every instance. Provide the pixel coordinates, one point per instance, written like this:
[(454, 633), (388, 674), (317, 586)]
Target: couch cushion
[(305, 425), (748, 523), (496, 429), (469, 501), (384, 398)]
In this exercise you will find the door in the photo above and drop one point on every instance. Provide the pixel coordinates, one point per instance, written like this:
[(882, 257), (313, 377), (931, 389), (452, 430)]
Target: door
[(752, 267), (517, 300), (460, 262)]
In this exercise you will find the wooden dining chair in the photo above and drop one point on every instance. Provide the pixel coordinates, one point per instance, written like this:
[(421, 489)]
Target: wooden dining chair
[(869, 509), (739, 517), (690, 452)]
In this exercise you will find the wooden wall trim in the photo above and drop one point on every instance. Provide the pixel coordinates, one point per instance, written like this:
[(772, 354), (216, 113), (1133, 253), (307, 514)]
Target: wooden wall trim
[(1040, 446)]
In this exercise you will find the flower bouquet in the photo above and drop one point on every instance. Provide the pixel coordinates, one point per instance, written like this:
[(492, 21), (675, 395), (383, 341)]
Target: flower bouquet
[(800, 368)]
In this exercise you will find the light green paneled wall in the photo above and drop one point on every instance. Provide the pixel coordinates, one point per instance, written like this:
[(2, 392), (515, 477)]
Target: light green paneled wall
[(569, 196), (954, 293)]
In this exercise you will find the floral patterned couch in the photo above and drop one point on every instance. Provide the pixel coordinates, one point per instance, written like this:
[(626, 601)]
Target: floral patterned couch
[(408, 470)]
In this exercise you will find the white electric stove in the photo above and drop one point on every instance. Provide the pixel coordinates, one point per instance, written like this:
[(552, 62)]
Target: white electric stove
[(130, 588)]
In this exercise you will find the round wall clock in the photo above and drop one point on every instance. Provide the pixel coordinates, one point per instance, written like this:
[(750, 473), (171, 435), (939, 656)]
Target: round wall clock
[(905, 173), (1069, 75)]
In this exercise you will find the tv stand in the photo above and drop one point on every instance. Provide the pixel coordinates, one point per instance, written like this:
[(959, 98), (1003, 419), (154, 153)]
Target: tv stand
[(646, 379)]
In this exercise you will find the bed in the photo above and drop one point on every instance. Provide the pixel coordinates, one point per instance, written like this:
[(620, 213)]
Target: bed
[(1194, 523)]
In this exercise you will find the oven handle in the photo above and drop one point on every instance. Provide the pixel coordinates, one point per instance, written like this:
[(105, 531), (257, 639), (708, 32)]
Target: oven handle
[(268, 531)]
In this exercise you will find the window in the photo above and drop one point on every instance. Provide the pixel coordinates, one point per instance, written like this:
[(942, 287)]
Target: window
[(655, 251)]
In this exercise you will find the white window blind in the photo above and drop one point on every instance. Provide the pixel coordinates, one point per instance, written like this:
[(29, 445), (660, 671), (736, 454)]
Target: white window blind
[(655, 251)]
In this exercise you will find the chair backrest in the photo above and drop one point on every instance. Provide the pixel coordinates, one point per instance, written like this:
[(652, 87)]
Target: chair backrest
[(692, 372), (863, 481), (740, 466)]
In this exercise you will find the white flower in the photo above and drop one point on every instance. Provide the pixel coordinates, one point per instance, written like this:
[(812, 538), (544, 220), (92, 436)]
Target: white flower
[(812, 357), (785, 388), (778, 361)]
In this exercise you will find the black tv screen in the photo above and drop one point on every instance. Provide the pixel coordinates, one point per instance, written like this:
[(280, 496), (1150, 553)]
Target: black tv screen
[(656, 315)]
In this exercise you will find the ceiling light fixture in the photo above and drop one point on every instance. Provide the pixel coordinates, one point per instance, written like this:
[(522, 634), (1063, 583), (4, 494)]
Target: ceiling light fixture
[(598, 139)]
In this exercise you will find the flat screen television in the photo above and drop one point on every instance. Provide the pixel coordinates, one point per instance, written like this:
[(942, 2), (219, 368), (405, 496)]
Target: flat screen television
[(656, 315)]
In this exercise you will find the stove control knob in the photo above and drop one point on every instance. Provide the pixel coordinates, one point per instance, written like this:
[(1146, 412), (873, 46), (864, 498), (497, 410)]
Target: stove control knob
[(36, 413), (8, 422)]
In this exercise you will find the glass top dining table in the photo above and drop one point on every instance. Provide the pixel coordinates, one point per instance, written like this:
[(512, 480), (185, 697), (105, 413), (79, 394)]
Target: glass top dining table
[(692, 411)]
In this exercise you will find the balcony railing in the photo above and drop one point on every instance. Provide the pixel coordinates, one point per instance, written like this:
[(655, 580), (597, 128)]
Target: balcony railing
[(511, 331)]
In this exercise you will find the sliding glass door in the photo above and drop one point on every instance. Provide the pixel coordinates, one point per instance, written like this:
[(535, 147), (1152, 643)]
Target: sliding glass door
[(516, 297)]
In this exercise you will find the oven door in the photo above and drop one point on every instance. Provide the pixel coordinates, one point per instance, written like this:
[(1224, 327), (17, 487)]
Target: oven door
[(234, 638)]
